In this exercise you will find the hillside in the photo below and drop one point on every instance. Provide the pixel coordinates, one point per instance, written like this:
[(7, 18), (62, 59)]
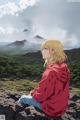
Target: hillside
[(30, 65)]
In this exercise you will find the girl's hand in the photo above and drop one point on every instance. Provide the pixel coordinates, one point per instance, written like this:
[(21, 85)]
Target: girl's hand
[(30, 92)]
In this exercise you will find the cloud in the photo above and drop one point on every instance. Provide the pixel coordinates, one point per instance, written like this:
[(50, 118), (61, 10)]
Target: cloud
[(11, 8), (11, 34), (25, 3), (8, 30), (58, 19)]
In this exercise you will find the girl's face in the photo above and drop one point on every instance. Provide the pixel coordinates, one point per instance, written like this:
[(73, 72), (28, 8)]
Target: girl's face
[(46, 53)]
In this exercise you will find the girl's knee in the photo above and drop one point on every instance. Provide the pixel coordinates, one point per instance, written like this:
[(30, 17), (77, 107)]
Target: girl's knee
[(22, 99), (23, 96)]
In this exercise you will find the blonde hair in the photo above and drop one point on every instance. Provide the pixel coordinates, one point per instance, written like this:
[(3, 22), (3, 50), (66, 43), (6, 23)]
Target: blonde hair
[(59, 55)]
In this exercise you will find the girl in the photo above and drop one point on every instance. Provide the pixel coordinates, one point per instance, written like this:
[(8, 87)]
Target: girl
[(52, 94)]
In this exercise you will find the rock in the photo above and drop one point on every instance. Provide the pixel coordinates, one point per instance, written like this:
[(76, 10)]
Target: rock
[(8, 102), (75, 98)]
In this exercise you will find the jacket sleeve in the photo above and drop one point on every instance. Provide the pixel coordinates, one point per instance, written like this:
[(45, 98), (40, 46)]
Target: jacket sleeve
[(46, 86)]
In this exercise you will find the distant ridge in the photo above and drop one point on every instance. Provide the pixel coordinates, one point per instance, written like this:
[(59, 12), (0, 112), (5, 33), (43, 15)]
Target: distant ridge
[(18, 43)]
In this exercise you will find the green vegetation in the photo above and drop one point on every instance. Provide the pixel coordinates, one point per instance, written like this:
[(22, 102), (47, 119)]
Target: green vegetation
[(15, 70), (17, 85), (10, 67), (75, 73), (75, 90)]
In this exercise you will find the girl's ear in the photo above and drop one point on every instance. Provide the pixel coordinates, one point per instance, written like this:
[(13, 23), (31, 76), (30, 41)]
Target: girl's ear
[(52, 51)]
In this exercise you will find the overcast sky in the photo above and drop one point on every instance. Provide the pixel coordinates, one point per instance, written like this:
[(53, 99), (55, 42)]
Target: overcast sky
[(54, 19)]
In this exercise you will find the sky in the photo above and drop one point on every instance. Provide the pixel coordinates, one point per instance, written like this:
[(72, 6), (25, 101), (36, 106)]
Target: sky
[(51, 19)]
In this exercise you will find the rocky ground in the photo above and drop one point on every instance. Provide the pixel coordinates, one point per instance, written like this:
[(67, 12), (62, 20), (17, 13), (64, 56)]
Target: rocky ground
[(7, 107)]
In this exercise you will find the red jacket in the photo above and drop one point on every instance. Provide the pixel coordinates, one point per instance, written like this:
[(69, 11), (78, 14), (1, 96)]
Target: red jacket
[(53, 89)]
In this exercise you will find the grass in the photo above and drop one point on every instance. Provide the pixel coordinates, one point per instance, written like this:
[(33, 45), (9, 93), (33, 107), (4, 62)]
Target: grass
[(75, 90), (17, 85), (23, 85)]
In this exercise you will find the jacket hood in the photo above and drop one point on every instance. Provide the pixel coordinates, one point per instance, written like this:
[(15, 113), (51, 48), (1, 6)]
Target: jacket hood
[(62, 71)]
